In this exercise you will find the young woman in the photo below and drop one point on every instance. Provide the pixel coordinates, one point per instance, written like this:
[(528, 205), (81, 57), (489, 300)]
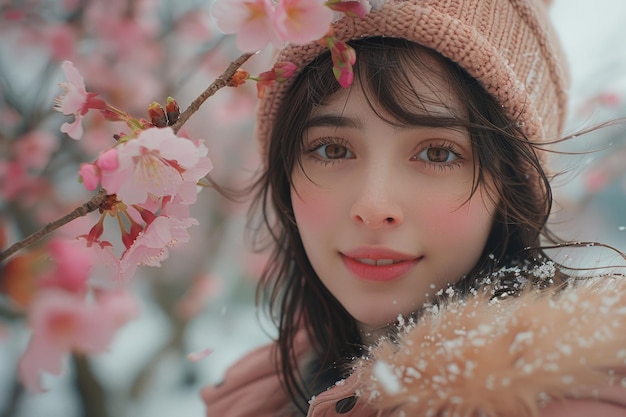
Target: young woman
[(407, 212)]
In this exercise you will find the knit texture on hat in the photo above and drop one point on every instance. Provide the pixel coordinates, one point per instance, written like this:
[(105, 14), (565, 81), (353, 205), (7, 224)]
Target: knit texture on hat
[(509, 46)]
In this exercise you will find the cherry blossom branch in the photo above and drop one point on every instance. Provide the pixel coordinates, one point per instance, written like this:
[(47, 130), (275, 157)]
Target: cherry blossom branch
[(83, 210), (93, 204), (219, 83)]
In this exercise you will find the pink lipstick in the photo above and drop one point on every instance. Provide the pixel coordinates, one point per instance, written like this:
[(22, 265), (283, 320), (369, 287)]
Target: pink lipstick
[(378, 264)]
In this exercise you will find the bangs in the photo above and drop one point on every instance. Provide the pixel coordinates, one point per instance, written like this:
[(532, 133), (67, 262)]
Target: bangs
[(386, 70)]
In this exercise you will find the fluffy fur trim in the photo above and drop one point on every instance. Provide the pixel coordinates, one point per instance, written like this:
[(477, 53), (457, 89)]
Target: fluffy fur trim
[(506, 357)]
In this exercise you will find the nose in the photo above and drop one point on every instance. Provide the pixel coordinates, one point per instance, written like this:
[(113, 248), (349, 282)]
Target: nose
[(376, 204)]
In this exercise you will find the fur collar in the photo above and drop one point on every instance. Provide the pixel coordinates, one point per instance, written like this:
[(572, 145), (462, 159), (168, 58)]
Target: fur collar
[(485, 356)]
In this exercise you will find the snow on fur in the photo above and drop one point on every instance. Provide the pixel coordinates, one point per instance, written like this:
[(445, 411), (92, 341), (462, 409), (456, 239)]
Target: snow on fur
[(482, 357)]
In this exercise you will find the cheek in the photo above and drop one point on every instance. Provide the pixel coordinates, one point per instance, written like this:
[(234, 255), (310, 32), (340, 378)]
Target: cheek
[(310, 207), (464, 220)]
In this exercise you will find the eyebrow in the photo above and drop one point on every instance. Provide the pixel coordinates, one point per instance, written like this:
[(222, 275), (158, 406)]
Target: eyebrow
[(330, 120), (325, 120)]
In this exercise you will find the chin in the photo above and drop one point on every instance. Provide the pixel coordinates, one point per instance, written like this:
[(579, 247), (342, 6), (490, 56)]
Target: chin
[(374, 318)]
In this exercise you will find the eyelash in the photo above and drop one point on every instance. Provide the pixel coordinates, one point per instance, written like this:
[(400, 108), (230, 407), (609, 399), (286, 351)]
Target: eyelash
[(444, 144), (318, 143)]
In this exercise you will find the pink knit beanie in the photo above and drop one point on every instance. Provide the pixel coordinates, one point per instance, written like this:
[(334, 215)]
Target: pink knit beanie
[(509, 46)]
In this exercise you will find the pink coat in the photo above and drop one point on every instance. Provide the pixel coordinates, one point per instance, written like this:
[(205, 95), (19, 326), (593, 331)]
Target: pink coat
[(534, 355)]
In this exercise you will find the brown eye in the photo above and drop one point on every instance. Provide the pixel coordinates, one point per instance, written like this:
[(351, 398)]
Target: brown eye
[(333, 151), (438, 154)]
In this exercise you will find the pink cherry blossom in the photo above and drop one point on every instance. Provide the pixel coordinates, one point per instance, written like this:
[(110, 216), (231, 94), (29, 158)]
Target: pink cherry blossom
[(19, 178), (199, 355), (195, 26), (34, 149), (89, 175), (157, 163), (251, 20), (61, 40), (125, 35), (107, 161), (17, 183), (188, 191), (62, 323), (152, 245), (76, 100), (102, 274), (175, 208), (72, 263), (120, 307), (302, 21)]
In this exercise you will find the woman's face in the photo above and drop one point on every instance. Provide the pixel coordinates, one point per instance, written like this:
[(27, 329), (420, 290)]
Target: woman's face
[(384, 212)]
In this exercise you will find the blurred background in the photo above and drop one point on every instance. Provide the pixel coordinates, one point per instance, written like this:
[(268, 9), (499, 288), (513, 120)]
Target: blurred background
[(133, 52)]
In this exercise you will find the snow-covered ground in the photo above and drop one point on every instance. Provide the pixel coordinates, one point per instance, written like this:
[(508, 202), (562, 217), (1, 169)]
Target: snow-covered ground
[(592, 34)]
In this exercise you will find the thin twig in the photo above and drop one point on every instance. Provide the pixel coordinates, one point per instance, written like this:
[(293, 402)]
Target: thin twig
[(88, 207), (219, 83)]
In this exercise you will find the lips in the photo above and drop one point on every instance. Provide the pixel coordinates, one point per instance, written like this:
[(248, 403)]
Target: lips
[(378, 264)]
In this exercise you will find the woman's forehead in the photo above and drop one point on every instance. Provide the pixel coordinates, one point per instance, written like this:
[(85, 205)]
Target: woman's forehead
[(422, 93)]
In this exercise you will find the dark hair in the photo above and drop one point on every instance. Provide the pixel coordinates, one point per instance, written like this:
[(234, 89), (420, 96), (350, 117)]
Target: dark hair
[(296, 297)]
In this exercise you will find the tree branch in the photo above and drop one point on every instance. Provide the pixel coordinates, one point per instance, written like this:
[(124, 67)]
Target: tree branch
[(91, 393), (219, 83), (88, 207)]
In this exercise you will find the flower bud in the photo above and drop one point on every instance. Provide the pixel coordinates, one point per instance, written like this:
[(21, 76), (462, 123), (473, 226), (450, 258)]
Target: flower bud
[(156, 114), (172, 110), (238, 78)]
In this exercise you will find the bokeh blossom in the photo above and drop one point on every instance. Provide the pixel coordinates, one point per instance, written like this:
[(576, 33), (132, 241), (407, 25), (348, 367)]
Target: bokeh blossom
[(72, 264), (260, 22), (33, 150), (63, 323), (302, 21), (251, 20)]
